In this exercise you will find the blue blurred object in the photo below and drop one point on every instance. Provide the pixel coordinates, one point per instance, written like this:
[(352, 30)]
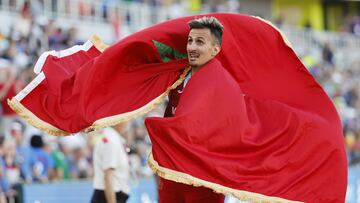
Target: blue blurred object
[(353, 189), (142, 191), (80, 192)]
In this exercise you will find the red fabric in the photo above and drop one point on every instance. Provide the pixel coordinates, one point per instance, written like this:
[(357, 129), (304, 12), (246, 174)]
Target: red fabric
[(283, 138), (174, 192), (259, 145), (84, 87)]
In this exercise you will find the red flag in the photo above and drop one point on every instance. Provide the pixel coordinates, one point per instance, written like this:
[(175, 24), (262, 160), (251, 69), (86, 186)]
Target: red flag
[(82, 88), (256, 149), (280, 142)]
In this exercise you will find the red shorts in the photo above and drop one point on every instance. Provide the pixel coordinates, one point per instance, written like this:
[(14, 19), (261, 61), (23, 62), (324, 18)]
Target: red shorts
[(173, 192)]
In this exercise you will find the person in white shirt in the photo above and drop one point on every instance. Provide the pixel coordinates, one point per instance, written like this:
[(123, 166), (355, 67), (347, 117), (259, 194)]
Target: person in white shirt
[(111, 167)]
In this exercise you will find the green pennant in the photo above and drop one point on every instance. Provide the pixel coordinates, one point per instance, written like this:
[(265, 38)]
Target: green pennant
[(168, 53)]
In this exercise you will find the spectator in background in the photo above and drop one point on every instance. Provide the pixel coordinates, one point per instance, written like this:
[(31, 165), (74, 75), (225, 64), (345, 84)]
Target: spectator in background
[(11, 51), (115, 20), (68, 146), (355, 26), (22, 150), (7, 76), (4, 185), (70, 37), (8, 88), (40, 162), (111, 167), (39, 37), (141, 155), (12, 168), (25, 11), (79, 166), (61, 165), (56, 40), (351, 96), (327, 54)]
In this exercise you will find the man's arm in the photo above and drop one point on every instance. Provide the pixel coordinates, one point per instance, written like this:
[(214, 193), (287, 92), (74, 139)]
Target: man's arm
[(11, 75), (109, 190)]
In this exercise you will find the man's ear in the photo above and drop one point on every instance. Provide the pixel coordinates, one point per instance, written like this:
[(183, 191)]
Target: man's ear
[(216, 50)]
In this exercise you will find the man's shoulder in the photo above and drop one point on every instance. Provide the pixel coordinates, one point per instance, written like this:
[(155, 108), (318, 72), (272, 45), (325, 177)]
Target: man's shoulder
[(109, 136), (110, 133)]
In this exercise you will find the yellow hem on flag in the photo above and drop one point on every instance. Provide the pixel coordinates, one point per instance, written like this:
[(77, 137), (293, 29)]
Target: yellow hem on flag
[(116, 119), (287, 42), (34, 120), (98, 43), (184, 178)]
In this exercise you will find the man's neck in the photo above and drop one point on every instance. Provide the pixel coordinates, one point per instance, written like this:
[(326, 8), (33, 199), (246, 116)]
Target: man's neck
[(194, 70)]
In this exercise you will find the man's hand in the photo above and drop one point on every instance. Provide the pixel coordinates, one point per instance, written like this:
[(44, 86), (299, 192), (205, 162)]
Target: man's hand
[(109, 190)]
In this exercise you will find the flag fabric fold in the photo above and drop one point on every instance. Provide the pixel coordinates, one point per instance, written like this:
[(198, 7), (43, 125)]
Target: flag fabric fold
[(256, 149), (253, 123), (87, 87)]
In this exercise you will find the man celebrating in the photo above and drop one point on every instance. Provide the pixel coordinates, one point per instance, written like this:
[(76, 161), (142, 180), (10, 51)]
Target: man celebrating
[(204, 43), (234, 137)]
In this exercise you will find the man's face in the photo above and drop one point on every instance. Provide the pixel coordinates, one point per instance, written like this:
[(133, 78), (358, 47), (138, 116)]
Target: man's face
[(201, 47)]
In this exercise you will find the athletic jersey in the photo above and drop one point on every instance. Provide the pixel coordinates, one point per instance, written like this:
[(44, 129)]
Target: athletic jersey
[(174, 97)]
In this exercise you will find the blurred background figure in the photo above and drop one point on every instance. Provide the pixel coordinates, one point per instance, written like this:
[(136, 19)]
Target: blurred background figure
[(80, 167), (111, 166), (39, 162), (4, 184)]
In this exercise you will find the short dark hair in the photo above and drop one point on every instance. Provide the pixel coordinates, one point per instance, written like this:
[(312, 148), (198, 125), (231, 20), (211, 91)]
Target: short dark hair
[(211, 23), (36, 141)]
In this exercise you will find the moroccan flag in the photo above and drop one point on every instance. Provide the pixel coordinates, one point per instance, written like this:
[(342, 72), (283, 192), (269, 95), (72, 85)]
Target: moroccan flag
[(256, 149), (252, 123)]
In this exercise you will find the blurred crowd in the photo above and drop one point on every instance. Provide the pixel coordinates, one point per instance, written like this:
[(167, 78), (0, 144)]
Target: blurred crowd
[(342, 84), (352, 25), (29, 156)]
